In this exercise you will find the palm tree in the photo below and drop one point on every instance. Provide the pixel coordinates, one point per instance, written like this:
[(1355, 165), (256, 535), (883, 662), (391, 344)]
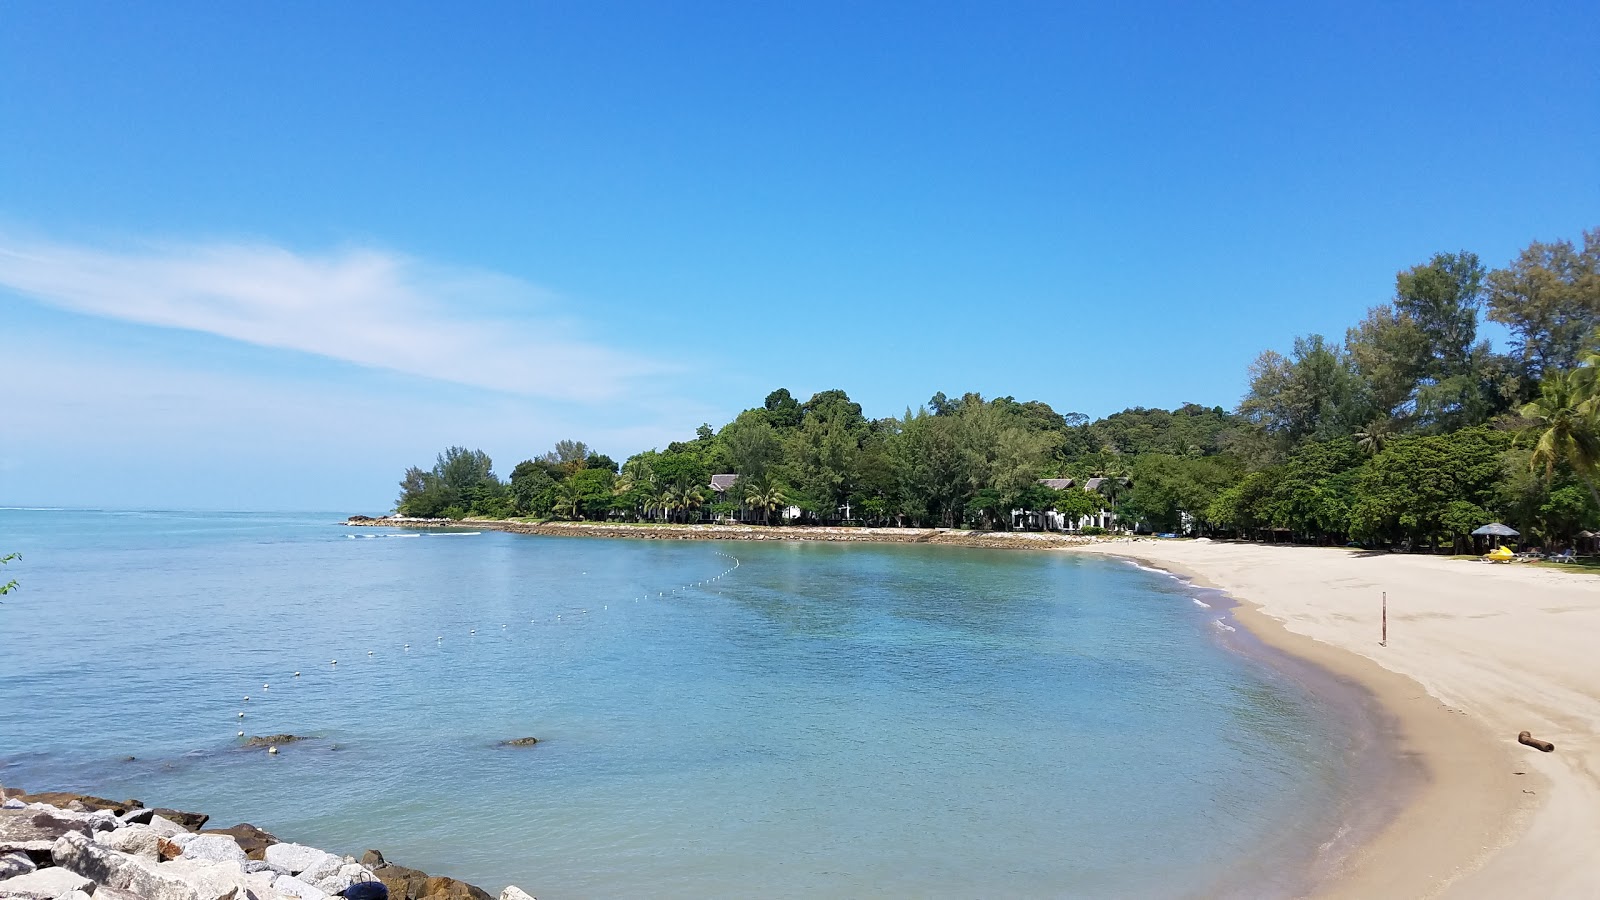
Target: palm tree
[(687, 497), (663, 503), (567, 501), (766, 498), (1372, 438), (1565, 425)]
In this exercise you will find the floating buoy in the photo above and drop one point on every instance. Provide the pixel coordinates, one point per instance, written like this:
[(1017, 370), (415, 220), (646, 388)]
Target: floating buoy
[(265, 686), (334, 663), (369, 652), (297, 674), (474, 631), (247, 698), (408, 646), (241, 715), (241, 734), (272, 751)]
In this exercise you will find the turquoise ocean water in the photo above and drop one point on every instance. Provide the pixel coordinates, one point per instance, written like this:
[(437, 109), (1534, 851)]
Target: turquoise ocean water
[(822, 720)]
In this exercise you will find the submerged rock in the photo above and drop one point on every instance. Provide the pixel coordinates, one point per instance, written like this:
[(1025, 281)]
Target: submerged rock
[(271, 740), (520, 742)]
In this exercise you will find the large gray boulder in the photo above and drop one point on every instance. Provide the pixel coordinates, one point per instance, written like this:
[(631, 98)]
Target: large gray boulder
[(297, 858), (290, 886), (14, 864), (261, 865), (211, 880), (45, 884), (165, 827), (215, 847), (349, 873), (76, 853), (35, 829), (325, 867), (138, 840)]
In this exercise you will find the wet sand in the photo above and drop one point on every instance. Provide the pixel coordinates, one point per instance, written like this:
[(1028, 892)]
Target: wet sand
[(1476, 653)]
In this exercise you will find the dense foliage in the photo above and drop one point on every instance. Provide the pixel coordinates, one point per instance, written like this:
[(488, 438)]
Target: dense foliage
[(1412, 430)]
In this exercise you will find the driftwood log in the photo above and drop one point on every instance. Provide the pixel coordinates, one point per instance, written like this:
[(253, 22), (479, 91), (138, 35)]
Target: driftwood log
[(1531, 741)]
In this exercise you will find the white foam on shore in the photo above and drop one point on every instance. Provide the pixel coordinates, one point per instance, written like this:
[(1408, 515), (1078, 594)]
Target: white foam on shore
[(373, 537), (1224, 625), (1200, 603), (447, 534)]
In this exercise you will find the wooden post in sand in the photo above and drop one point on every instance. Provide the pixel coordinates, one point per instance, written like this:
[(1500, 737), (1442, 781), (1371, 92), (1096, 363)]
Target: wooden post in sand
[(1384, 640)]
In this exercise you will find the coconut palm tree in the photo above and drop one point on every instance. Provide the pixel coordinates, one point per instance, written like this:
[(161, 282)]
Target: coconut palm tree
[(567, 501), (687, 497), (767, 498), (1565, 425), (663, 503)]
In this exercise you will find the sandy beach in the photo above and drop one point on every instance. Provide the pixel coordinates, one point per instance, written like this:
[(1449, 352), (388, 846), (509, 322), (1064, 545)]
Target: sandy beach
[(1476, 653)]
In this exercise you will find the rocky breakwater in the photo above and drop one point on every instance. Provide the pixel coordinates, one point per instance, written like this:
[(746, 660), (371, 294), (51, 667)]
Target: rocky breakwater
[(88, 848)]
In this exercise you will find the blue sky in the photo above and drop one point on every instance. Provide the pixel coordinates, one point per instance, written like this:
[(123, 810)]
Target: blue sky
[(267, 256)]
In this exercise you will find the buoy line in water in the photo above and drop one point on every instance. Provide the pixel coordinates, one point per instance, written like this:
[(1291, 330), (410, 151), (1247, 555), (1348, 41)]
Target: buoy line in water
[(505, 628)]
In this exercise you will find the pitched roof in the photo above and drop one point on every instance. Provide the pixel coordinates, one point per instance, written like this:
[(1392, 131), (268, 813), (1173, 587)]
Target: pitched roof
[(1057, 484), (721, 483), (1093, 484)]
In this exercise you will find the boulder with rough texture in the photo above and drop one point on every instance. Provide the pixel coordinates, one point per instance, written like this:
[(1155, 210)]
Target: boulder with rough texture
[(252, 840), (410, 884), (138, 816), (76, 853), (14, 864), (191, 821), (137, 840), (270, 740), (297, 858), (211, 880), (290, 886), (372, 859), (45, 884), (75, 895), (12, 804), (84, 802), (35, 829), (349, 873), (261, 865), (215, 847), (164, 827), (520, 742), (513, 892)]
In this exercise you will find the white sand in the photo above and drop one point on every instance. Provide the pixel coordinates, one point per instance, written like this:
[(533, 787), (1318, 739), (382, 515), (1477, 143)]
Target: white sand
[(1498, 649)]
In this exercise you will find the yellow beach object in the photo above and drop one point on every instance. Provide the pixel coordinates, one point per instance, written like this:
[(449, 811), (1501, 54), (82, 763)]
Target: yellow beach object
[(1501, 553)]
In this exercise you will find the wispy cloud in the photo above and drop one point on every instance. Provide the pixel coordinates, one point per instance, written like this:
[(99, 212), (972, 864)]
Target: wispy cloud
[(364, 306)]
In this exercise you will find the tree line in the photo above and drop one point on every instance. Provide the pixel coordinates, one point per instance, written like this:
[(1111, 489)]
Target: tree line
[(1410, 430)]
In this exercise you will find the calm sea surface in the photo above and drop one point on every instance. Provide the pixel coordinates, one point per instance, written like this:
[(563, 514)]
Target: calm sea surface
[(823, 720)]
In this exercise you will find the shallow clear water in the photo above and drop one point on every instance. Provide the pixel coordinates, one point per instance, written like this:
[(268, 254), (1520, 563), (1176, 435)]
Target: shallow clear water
[(823, 720)]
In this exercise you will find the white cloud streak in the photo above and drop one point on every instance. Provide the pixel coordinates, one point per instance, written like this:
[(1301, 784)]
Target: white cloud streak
[(362, 306)]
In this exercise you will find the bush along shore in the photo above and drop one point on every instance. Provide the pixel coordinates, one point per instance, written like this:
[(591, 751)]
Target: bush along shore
[(56, 846), (1018, 540)]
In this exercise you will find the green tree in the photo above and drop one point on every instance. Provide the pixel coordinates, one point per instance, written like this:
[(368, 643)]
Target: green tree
[(1564, 426), (1549, 298), (764, 497)]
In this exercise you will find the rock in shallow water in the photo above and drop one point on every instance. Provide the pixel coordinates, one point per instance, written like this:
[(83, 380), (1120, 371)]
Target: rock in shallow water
[(520, 742), (191, 821)]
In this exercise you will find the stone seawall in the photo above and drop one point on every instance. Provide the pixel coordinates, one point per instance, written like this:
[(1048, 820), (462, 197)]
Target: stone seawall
[(58, 846), (1007, 540)]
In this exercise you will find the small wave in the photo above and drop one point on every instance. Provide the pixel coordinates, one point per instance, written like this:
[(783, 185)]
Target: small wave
[(445, 534), (1200, 603), (32, 509), (1224, 625), (374, 537)]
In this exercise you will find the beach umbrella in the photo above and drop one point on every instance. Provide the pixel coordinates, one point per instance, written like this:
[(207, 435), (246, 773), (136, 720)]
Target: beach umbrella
[(1495, 529)]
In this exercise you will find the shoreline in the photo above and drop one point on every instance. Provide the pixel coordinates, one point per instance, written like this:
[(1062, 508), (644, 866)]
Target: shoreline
[(998, 540), (1486, 817)]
